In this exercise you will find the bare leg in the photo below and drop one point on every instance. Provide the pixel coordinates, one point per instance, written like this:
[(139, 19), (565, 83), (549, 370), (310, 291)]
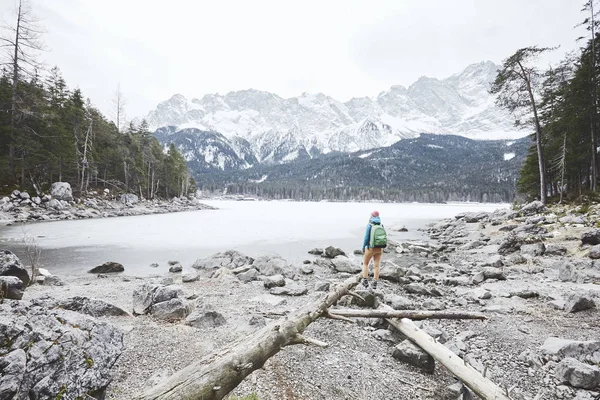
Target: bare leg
[(366, 260), (377, 261)]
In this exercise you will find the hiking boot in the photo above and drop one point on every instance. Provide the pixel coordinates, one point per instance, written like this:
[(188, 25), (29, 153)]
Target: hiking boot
[(374, 285), (365, 283)]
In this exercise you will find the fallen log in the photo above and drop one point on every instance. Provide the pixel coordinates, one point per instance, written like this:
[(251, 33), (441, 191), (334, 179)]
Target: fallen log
[(219, 373), (479, 384), (415, 315)]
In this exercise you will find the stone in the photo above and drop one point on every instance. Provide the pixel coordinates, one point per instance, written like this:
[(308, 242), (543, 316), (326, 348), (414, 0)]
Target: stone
[(248, 276), (577, 374), (415, 288), (358, 252), (297, 289), (391, 272), (165, 293), (554, 249), (176, 268), (129, 199), (10, 265), (55, 353), (510, 245), (316, 252), (192, 277), (61, 191), (272, 265), (36, 200), (508, 228), (594, 253), (173, 262), (572, 219), (473, 217), (306, 269), (515, 258), (322, 286), (591, 237), (578, 302), (171, 310), (535, 207), (11, 287), (142, 298), (408, 352), (403, 229), (230, 259), (494, 261), (535, 249), (525, 294), (434, 305), (399, 302), (107, 268), (344, 264), (585, 351), (93, 307), (274, 281), (46, 198), (205, 319), (154, 265), (531, 358), (332, 252), (257, 320)]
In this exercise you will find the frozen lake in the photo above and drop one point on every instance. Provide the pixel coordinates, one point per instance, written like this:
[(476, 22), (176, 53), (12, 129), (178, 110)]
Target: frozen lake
[(289, 229)]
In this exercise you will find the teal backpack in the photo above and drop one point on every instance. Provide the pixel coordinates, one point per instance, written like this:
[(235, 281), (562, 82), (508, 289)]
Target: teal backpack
[(378, 237)]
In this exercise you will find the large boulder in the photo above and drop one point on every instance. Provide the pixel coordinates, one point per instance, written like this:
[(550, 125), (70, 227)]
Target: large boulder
[(61, 191), (10, 265), (594, 253), (229, 259), (11, 287), (332, 252), (578, 374), (129, 199), (107, 268), (55, 353), (591, 237), (171, 310), (165, 302), (584, 351), (579, 302), (344, 264), (535, 207), (272, 265)]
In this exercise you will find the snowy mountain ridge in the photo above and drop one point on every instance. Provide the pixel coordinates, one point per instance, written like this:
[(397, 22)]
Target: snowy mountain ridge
[(280, 130)]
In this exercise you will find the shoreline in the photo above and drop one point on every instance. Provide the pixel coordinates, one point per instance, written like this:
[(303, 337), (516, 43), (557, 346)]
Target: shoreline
[(523, 301)]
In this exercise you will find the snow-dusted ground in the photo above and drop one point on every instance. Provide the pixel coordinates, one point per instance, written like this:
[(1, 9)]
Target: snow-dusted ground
[(286, 228)]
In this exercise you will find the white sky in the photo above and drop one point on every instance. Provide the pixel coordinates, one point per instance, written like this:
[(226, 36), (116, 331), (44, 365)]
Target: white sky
[(343, 48)]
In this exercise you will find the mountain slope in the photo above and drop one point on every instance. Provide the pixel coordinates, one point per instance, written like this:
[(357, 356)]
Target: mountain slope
[(280, 129)]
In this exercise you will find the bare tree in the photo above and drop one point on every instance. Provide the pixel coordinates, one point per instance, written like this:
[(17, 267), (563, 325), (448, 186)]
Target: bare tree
[(516, 85), (33, 254), (21, 43), (118, 103)]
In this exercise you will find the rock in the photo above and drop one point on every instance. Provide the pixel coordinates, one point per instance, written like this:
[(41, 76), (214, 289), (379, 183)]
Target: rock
[(154, 265), (416, 288), (332, 252), (573, 219), (508, 228), (434, 305), (510, 244), (257, 320), (230, 259), (165, 293), (55, 353), (403, 229), (578, 302), (107, 268), (594, 253), (555, 250), (170, 310), (175, 268), (11, 287), (585, 351), (142, 298), (515, 258), (272, 265), (297, 289), (344, 264), (557, 304), (274, 281), (578, 374), (399, 302), (535, 207), (525, 294), (193, 277), (473, 217), (36, 200), (322, 286), (591, 237), (493, 273), (173, 262), (358, 252), (306, 270), (10, 265), (408, 352), (531, 358), (46, 198), (206, 319), (61, 191), (384, 335), (248, 276), (129, 199), (316, 252), (494, 261), (16, 194), (392, 272), (93, 307), (535, 249)]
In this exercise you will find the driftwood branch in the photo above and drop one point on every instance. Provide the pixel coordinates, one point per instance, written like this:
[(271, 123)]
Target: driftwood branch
[(410, 314), (329, 315), (299, 339), (482, 386), (219, 373)]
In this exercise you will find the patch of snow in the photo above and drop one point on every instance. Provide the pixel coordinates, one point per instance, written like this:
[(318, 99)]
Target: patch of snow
[(509, 156), (510, 143), (365, 155), (435, 146), (261, 180)]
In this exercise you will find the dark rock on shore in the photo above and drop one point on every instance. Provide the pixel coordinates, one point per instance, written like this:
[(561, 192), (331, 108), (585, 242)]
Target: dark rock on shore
[(107, 268), (332, 252), (11, 287), (10, 265), (591, 237)]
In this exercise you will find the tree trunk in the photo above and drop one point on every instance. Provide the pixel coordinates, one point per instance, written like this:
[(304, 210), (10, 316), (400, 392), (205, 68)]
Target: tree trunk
[(594, 160), (482, 386), (219, 373), (15, 83), (410, 314)]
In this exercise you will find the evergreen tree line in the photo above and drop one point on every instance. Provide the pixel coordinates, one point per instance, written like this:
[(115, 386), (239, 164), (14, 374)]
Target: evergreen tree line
[(561, 104), (49, 133)]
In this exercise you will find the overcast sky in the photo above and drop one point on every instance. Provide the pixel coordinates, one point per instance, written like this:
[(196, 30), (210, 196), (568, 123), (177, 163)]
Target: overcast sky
[(343, 48)]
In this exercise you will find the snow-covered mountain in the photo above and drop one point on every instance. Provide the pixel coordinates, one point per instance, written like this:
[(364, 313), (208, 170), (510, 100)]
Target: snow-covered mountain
[(274, 129)]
